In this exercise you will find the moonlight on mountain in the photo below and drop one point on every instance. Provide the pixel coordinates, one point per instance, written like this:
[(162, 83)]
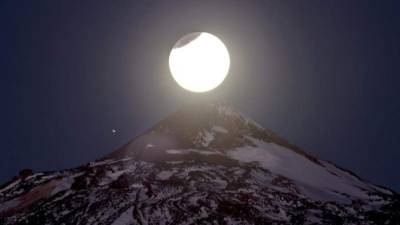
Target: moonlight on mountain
[(199, 112)]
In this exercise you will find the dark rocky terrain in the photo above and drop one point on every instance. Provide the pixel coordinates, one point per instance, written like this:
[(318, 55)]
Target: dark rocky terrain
[(201, 165)]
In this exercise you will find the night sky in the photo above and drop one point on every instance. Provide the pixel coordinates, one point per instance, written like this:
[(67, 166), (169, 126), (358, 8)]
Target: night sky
[(325, 75)]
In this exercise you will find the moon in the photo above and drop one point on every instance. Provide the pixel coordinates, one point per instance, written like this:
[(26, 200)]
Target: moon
[(199, 62)]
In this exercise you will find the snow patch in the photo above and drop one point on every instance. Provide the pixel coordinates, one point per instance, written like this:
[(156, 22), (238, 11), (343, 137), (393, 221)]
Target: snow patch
[(219, 129), (164, 175), (63, 185), (225, 110), (174, 151), (108, 161), (206, 138), (187, 151), (205, 152), (298, 168), (8, 187), (115, 175), (149, 145)]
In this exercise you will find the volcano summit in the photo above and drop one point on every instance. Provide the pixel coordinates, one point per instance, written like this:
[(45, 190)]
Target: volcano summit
[(201, 165)]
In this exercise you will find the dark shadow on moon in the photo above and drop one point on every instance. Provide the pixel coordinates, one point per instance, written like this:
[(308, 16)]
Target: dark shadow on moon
[(187, 39)]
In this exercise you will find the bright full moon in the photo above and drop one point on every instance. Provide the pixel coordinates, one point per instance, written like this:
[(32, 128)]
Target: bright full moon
[(199, 62)]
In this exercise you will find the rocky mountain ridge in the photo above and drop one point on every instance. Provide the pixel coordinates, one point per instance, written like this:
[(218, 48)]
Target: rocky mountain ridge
[(201, 165)]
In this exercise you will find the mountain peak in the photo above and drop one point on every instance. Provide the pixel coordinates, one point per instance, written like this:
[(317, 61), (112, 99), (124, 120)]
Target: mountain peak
[(211, 126)]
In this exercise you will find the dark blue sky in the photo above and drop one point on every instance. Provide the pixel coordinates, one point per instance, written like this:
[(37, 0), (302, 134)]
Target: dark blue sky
[(323, 74)]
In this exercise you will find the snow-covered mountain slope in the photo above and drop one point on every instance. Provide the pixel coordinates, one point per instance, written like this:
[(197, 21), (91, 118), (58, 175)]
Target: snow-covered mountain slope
[(201, 165)]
